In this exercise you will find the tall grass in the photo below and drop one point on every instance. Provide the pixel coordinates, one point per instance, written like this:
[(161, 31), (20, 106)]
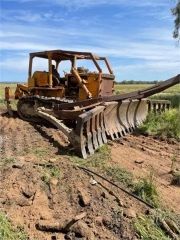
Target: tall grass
[(148, 230), (174, 98), (147, 191), (165, 124)]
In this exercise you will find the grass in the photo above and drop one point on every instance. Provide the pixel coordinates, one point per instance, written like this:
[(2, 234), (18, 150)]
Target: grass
[(12, 90), (147, 229), (7, 161), (145, 188), (125, 88), (174, 98), (100, 161), (50, 172), (120, 175), (147, 191), (165, 124), (97, 160), (8, 232), (39, 152)]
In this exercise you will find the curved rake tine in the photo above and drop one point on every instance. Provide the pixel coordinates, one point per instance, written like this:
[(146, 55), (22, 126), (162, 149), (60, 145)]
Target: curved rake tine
[(98, 129), (104, 138), (109, 119), (131, 113), (89, 137), (122, 114), (141, 112), (94, 133), (82, 137), (113, 126)]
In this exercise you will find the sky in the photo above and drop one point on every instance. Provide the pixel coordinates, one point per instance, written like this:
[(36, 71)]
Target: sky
[(135, 35)]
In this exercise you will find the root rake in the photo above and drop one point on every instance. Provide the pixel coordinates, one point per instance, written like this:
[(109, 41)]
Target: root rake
[(112, 120)]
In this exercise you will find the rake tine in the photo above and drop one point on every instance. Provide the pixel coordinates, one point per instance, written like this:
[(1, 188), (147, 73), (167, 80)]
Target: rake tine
[(115, 120), (141, 111), (89, 138), (122, 115), (111, 119), (98, 131), (94, 133), (122, 126), (104, 138), (131, 113), (106, 120)]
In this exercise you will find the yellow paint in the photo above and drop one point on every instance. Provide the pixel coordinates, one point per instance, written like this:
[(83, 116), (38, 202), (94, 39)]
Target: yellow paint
[(39, 79), (92, 84), (50, 92)]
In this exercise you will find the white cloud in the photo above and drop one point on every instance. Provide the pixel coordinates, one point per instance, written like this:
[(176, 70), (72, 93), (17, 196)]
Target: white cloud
[(24, 46), (145, 49), (87, 3)]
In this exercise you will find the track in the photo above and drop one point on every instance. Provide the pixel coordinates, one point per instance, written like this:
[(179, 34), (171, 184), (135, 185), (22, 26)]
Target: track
[(19, 137)]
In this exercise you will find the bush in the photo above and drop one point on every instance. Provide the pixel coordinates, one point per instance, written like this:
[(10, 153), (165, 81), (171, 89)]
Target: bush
[(165, 124)]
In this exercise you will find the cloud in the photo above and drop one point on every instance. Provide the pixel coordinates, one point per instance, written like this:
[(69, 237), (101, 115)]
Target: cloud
[(74, 4), (24, 46), (135, 48)]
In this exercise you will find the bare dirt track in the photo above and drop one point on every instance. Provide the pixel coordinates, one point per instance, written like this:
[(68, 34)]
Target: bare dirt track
[(29, 153), (145, 155)]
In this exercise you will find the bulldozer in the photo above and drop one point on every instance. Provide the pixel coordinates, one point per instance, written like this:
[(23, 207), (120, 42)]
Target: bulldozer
[(81, 102)]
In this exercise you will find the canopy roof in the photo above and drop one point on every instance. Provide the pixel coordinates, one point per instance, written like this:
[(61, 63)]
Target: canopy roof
[(59, 55)]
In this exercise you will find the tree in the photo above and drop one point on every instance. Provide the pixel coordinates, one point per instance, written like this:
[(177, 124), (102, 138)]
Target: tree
[(176, 13)]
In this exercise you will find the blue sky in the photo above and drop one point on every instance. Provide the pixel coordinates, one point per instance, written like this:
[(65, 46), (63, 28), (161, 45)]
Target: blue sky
[(136, 35)]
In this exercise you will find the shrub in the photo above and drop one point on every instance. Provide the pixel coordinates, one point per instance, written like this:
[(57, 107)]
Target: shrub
[(165, 124)]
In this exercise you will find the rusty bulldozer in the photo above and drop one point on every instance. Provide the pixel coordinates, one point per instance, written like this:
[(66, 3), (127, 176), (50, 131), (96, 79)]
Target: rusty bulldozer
[(81, 103)]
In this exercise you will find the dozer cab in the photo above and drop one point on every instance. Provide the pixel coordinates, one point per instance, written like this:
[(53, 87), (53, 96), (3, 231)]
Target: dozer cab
[(80, 102)]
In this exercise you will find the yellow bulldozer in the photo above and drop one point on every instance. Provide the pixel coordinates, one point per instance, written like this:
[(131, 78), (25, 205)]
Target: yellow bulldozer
[(80, 102)]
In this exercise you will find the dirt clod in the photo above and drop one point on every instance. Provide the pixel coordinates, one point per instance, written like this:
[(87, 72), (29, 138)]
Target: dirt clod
[(84, 198), (82, 230), (129, 213)]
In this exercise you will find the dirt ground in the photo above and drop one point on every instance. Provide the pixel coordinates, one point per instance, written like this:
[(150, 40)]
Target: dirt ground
[(143, 156), (30, 153)]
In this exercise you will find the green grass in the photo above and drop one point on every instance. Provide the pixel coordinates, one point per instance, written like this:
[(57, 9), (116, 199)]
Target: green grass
[(174, 98), (148, 230), (8, 232), (97, 160), (165, 124), (120, 175), (147, 191), (40, 152), (125, 88), (7, 161), (49, 172), (100, 161)]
